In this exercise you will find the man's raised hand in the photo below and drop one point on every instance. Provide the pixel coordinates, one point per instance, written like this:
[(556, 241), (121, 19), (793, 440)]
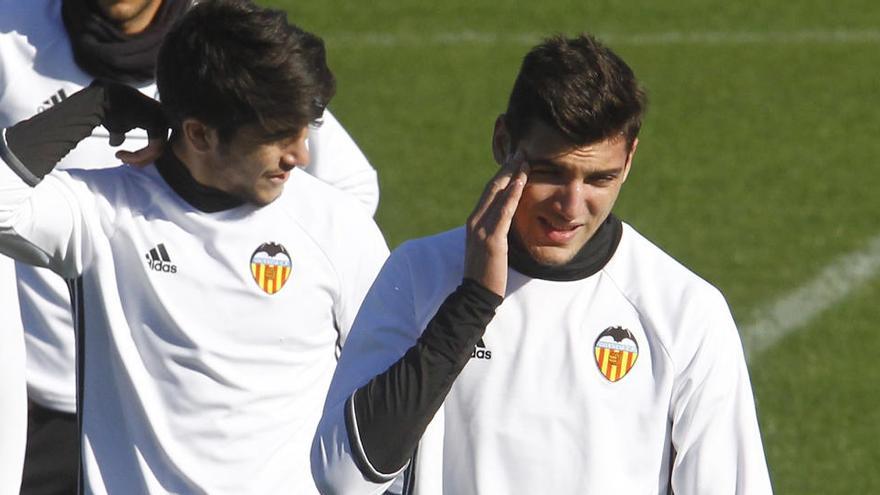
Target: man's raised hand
[(485, 259)]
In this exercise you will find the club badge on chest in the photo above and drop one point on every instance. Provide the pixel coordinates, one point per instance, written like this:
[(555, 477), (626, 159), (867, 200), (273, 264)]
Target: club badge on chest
[(616, 351), (271, 267)]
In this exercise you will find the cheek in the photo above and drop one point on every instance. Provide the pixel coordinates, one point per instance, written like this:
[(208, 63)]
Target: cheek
[(525, 219), (534, 195), (603, 201)]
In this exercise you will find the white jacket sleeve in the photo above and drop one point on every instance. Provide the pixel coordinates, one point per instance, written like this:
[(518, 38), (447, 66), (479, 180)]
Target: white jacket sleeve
[(383, 331), (42, 225), (357, 271), (13, 395), (337, 160), (715, 434)]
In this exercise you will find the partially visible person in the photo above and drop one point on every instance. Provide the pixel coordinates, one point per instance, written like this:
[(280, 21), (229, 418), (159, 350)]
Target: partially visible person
[(13, 399), (50, 49), (546, 346), (213, 287)]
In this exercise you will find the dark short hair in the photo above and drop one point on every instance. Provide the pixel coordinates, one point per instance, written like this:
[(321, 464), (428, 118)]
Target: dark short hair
[(231, 63), (578, 87)]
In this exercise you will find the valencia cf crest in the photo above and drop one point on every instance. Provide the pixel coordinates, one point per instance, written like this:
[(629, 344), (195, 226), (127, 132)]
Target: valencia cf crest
[(271, 267), (616, 352)]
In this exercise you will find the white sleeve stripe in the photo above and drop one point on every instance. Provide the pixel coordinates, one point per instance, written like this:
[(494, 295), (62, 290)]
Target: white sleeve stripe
[(358, 448), (15, 164)]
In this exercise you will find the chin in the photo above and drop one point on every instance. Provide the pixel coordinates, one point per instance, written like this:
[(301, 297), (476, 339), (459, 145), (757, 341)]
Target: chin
[(552, 256), (264, 200), (265, 197)]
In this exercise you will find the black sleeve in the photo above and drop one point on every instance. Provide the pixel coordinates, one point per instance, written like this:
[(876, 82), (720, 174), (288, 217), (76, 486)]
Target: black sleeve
[(33, 147), (386, 417)]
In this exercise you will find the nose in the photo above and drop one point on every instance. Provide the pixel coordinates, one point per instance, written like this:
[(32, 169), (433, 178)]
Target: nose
[(571, 200), (298, 157)]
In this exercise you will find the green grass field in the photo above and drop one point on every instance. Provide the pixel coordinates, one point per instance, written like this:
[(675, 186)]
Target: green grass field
[(757, 168)]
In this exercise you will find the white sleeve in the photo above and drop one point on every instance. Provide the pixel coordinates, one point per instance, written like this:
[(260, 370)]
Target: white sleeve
[(715, 434), (13, 396), (42, 225), (337, 160), (359, 267), (385, 328)]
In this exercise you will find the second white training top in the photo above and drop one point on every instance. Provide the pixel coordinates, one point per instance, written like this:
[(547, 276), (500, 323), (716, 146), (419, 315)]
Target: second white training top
[(631, 381), (209, 338), (37, 70)]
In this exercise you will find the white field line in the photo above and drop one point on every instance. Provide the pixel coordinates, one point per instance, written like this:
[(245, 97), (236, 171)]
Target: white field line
[(841, 277), (842, 36)]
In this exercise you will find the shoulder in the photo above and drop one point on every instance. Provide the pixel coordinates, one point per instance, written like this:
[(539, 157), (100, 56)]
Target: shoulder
[(118, 184), (34, 21), (431, 266), (677, 305), (641, 269), (315, 201), (641, 266), (36, 62), (328, 215), (439, 251)]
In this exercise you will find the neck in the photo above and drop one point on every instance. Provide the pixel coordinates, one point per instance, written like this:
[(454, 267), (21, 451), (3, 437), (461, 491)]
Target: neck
[(587, 262), (194, 162), (176, 169)]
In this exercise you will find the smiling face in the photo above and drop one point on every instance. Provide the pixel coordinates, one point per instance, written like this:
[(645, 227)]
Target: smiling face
[(252, 166), (570, 190)]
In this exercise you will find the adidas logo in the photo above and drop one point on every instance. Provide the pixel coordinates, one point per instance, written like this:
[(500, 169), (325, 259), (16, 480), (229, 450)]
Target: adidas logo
[(480, 351), (158, 260), (54, 100)]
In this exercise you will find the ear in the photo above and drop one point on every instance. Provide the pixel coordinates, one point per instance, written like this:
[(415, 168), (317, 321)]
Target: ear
[(629, 159), (199, 136), (501, 146)]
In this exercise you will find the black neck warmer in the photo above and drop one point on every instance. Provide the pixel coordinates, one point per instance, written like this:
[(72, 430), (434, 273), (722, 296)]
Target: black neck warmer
[(589, 260), (102, 50), (203, 198)]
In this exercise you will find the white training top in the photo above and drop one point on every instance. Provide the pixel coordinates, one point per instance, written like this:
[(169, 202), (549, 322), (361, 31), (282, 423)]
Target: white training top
[(631, 380), (37, 70), (13, 399), (209, 338)]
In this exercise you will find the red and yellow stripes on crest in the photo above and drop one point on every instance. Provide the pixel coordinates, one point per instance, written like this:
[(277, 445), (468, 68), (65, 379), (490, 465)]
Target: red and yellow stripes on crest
[(615, 364), (270, 278)]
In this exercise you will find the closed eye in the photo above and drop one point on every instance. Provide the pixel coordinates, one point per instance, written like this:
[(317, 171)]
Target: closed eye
[(602, 179), (545, 172)]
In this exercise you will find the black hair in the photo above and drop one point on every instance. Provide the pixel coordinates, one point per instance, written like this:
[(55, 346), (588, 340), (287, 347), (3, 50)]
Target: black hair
[(580, 88), (231, 63)]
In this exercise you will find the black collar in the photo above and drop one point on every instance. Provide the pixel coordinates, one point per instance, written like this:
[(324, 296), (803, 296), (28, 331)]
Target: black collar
[(203, 198), (588, 261)]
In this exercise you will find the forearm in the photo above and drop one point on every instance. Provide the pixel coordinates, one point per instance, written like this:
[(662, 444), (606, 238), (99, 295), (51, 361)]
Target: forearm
[(38, 225), (386, 417), (33, 147)]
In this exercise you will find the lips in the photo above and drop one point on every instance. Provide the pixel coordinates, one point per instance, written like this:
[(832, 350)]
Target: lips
[(279, 177), (559, 233)]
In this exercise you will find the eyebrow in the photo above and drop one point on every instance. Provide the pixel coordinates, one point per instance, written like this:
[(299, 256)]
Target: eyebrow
[(550, 162)]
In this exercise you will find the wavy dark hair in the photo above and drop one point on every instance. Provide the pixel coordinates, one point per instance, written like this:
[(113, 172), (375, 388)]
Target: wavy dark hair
[(580, 88), (231, 63)]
